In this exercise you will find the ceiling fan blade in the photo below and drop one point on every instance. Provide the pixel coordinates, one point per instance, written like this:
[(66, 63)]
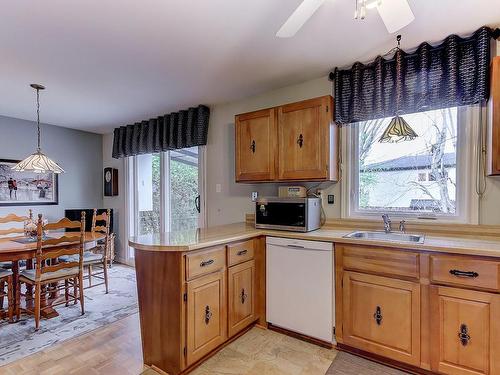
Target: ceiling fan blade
[(303, 12), (395, 14)]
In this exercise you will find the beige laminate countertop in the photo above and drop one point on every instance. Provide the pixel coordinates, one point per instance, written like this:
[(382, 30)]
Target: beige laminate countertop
[(201, 238)]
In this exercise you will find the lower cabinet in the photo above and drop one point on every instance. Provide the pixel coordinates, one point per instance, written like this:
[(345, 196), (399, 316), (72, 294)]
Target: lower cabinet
[(466, 329), (382, 316), (241, 296), (206, 315)]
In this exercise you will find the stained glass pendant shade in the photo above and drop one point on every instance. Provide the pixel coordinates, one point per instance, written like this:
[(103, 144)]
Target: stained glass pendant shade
[(38, 162), (398, 131)]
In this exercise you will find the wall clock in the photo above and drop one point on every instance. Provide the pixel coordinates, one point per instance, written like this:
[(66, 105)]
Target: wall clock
[(110, 182)]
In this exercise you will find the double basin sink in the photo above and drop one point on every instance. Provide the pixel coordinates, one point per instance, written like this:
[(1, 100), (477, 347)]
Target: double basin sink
[(387, 236)]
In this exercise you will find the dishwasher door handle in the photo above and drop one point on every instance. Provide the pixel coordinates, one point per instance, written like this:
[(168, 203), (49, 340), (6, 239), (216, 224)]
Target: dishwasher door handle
[(296, 246)]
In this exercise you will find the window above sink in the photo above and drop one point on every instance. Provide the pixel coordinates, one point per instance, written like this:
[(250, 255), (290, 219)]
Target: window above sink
[(430, 177)]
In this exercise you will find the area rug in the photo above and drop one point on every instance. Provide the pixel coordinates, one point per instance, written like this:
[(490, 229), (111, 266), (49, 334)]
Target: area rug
[(347, 364), (20, 339)]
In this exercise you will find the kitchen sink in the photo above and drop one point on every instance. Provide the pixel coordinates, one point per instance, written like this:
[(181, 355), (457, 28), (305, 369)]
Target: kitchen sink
[(389, 236)]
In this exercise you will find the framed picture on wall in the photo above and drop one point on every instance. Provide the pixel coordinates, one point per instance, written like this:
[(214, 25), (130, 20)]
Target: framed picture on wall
[(26, 188)]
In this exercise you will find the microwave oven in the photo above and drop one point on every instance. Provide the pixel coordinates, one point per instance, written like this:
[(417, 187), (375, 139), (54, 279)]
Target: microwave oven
[(293, 214)]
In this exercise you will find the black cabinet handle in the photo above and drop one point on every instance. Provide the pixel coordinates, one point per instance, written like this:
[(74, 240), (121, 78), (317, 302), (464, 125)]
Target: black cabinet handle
[(378, 315), (300, 140), (243, 296), (463, 335), (206, 263), (459, 273), (252, 146), (208, 314), (241, 252)]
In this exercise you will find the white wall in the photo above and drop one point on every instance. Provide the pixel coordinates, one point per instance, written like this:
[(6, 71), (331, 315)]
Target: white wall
[(78, 152), (117, 203)]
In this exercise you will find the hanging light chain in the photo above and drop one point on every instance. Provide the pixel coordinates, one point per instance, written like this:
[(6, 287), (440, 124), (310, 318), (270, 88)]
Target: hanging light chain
[(38, 115)]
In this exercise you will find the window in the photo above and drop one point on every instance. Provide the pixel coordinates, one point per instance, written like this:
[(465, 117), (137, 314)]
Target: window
[(165, 191), (424, 177)]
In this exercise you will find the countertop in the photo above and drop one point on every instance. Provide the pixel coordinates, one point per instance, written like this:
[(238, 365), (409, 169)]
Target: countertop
[(195, 239)]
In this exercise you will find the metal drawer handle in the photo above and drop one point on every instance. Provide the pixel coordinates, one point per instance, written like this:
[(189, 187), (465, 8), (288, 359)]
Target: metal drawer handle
[(243, 296), (242, 252), (206, 263), (296, 246), (463, 335), (459, 273), (208, 314), (378, 315)]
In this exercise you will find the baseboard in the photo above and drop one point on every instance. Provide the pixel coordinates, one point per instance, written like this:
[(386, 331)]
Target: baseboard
[(300, 336)]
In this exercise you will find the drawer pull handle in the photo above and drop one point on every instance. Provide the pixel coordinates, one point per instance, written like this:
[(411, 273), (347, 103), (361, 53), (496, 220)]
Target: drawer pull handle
[(463, 335), (459, 273), (206, 263), (378, 315), (208, 314), (243, 296), (296, 246), (241, 252)]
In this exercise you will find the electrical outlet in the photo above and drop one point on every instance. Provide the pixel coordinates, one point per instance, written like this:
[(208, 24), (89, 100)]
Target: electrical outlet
[(331, 199), (255, 195)]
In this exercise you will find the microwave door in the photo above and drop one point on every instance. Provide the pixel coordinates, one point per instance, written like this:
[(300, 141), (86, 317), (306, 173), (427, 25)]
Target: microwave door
[(281, 214)]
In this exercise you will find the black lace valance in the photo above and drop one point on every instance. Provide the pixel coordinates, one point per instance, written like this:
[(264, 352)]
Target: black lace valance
[(176, 130), (453, 73)]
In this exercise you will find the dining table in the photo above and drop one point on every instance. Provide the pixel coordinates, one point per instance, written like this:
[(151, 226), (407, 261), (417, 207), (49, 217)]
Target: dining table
[(16, 249)]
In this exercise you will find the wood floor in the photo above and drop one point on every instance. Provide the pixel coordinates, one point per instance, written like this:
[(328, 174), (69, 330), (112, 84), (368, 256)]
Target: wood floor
[(112, 349)]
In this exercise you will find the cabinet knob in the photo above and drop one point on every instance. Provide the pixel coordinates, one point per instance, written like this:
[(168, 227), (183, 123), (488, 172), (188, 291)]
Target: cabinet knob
[(252, 146), (241, 252), (300, 140), (243, 296), (208, 314), (378, 315), (463, 335)]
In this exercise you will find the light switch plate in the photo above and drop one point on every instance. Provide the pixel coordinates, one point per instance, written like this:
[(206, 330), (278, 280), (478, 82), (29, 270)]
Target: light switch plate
[(218, 188), (255, 195)]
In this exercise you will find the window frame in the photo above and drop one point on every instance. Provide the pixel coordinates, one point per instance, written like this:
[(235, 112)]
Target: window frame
[(467, 200)]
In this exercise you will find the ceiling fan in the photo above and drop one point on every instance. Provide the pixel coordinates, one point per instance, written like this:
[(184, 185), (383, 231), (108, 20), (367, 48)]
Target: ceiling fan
[(395, 14)]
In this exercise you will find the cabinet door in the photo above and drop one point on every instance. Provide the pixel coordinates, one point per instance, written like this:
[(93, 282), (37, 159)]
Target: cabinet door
[(206, 315), (241, 296), (465, 331), (304, 139), (256, 145), (382, 316)]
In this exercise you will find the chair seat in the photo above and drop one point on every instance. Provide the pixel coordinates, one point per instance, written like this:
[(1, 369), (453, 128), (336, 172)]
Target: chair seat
[(59, 274), (4, 273), (88, 258)]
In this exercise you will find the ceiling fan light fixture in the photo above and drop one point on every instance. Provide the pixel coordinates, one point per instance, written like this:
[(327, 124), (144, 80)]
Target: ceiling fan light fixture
[(372, 4), (303, 12), (398, 131)]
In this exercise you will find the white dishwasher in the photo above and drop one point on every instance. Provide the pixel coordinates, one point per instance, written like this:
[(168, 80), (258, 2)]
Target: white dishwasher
[(300, 286)]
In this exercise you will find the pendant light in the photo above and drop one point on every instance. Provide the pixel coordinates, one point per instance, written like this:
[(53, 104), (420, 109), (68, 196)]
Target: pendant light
[(38, 162), (398, 129)]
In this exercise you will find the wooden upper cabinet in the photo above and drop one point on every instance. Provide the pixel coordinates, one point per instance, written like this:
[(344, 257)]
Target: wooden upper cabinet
[(255, 146), (292, 142), (493, 155), (465, 331), (304, 140)]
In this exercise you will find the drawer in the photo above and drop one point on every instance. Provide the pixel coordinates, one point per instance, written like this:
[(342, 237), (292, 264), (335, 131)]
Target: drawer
[(381, 261), (205, 262), (464, 271), (240, 252)]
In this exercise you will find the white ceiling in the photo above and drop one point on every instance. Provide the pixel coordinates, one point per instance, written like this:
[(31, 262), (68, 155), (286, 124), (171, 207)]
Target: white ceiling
[(112, 62)]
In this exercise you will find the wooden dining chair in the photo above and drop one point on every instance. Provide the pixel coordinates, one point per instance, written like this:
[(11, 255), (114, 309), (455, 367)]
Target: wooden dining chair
[(13, 221), (6, 277), (49, 272), (95, 260)]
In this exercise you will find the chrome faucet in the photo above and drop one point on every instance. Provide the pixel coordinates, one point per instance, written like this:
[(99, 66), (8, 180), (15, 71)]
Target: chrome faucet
[(387, 223)]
